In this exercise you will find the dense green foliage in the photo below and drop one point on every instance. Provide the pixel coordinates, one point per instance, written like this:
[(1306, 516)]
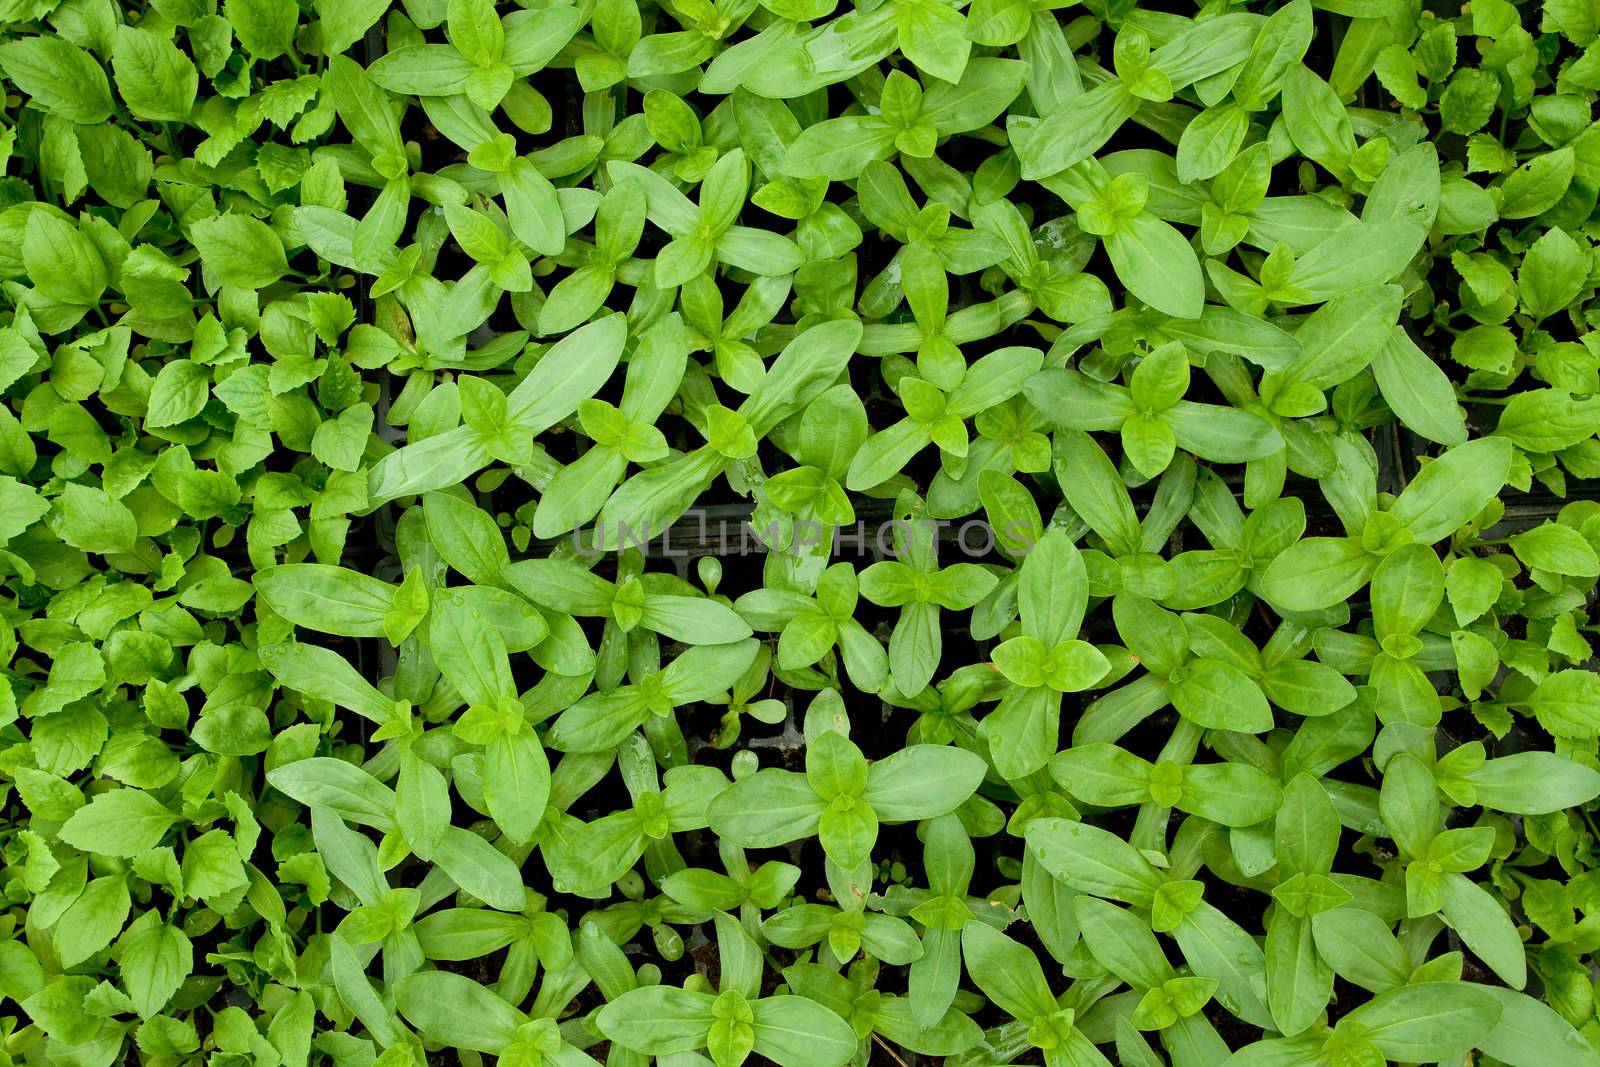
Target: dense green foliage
[(426, 432)]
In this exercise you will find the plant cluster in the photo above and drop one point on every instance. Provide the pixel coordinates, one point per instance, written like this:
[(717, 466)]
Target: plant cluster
[(1169, 439)]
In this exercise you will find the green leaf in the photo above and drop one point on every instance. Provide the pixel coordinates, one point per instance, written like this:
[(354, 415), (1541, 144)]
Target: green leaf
[(1279, 47), (264, 29), (1407, 588), (1158, 266), (1558, 549), (89, 519), (1316, 121), (240, 251), (1219, 696), (657, 1020), (178, 395), (1342, 337), (1075, 131), (61, 78), (336, 786), (1092, 860), (1533, 187), (796, 1032), (1548, 420), (1533, 783), (326, 675), (63, 263), (771, 807), (1450, 490), (93, 920), (477, 867), (154, 964), (456, 1011), (1008, 973), (157, 81), (1530, 1034), (344, 22), (1426, 1021), (516, 784), (364, 108), (922, 782), (1553, 273), (122, 822), (333, 600), (839, 149), (1418, 390), (1317, 572)]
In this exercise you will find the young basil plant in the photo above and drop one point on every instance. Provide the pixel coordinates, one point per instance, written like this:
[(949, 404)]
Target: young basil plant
[(731, 1023)]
